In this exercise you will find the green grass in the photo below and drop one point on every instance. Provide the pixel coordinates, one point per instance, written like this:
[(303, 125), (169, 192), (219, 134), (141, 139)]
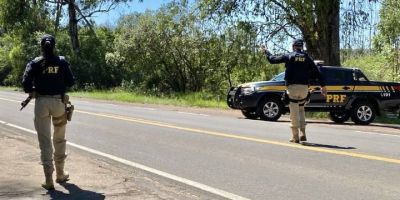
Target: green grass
[(378, 119), (4, 88), (317, 115), (387, 120), (193, 99), (190, 100)]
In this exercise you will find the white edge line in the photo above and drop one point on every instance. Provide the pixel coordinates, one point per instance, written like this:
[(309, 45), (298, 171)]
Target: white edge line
[(110, 104), (189, 113), (143, 108), (145, 168)]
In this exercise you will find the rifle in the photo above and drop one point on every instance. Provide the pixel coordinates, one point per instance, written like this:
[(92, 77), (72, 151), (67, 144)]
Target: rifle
[(25, 102)]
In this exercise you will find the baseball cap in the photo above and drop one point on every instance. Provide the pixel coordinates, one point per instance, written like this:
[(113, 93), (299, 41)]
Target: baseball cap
[(298, 42), (48, 40)]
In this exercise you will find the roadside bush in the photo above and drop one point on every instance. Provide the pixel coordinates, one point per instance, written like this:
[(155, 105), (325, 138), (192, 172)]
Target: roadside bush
[(375, 66)]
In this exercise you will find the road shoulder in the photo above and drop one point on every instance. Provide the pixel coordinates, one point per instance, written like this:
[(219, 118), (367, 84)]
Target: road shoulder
[(91, 177)]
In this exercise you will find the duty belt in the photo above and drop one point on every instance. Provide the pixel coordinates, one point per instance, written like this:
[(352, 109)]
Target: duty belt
[(301, 102), (57, 96)]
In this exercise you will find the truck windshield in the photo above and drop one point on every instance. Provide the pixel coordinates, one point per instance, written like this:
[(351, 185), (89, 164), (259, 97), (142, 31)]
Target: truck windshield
[(279, 77)]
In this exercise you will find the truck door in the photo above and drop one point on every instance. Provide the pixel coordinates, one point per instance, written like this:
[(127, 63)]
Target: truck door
[(339, 84)]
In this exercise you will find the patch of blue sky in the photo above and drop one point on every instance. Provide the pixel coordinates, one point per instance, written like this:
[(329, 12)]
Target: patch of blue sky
[(111, 18)]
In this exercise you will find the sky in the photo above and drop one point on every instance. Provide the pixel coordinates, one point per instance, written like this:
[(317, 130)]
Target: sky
[(112, 17)]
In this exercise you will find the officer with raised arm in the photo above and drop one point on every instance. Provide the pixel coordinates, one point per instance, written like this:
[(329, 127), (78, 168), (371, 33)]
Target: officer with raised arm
[(299, 70), (46, 79)]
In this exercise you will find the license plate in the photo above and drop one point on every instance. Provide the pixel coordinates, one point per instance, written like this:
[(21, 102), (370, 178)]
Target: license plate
[(232, 92)]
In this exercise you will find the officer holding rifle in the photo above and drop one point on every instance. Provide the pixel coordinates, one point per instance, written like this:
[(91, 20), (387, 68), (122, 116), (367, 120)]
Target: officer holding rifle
[(46, 79)]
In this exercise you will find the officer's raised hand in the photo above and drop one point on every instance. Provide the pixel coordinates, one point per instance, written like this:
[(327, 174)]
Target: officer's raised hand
[(324, 92), (263, 49)]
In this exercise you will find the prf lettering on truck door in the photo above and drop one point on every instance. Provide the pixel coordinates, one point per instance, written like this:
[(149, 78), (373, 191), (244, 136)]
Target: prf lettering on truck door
[(335, 98)]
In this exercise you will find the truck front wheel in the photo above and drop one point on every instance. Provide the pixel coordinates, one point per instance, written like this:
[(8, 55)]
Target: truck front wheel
[(270, 109)]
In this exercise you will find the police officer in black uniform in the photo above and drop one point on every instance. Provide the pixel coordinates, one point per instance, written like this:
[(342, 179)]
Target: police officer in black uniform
[(299, 69), (46, 78)]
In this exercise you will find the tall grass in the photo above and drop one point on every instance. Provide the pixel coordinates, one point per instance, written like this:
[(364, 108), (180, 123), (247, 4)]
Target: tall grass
[(375, 66), (8, 88), (192, 99)]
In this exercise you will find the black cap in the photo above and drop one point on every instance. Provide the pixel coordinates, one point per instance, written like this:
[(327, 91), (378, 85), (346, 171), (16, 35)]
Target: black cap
[(48, 40), (298, 42)]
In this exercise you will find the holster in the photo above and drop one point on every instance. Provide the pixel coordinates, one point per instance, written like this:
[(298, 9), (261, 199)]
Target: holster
[(285, 98), (69, 111), (69, 108)]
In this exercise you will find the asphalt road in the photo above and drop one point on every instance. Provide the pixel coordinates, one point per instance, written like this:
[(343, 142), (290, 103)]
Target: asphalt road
[(249, 158)]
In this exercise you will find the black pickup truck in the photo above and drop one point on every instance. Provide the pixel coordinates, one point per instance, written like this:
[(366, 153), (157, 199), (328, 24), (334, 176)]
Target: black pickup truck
[(350, 95)]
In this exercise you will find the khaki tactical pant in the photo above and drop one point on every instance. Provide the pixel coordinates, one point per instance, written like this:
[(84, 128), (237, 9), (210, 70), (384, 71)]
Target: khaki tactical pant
[(297, 114), (50, 109)]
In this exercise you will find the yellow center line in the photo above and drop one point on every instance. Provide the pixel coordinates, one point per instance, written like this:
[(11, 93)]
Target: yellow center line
[(226, 135), (233, 136), (125, 118)]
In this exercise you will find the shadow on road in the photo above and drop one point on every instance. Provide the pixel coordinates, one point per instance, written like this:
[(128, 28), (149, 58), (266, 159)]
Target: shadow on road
[(75, 192), (350, 124), (325, 146), (393, 126)]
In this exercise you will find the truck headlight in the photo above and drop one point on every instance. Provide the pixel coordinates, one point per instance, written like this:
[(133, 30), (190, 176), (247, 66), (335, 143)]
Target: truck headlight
[(248, 90)]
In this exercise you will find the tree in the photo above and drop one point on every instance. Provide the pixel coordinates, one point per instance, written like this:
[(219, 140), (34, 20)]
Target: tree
[(173, 50), (17, 13), (23, 22), (73, 25), (19, 22), (317, 21), (388, 39), (158, 50), (82, 11)]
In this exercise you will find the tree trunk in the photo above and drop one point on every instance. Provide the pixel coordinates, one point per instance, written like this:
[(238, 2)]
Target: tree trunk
[(322, 38), (73, 26), (58, 15)]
